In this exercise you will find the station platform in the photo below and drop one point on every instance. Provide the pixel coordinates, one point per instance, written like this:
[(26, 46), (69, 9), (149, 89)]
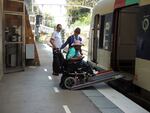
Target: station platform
[(36, 90)]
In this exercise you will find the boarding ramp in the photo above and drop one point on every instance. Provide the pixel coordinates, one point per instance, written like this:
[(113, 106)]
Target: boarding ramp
[(102, 76)]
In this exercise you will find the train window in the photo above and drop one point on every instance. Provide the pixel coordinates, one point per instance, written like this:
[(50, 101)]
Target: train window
[(107, 33), (143, 39)]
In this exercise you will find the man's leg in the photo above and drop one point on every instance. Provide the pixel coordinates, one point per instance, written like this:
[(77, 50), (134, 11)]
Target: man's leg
[(61, 62), (55, 63), (86, 67)]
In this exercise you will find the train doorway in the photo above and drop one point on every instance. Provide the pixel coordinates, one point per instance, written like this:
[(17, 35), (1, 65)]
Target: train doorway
[(125, 39), (95, 37)]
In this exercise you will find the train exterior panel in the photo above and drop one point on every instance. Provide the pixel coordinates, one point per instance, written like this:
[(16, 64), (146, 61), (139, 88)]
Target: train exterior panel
[(103, 56), (119, 38), (103, 59), (142, 72)]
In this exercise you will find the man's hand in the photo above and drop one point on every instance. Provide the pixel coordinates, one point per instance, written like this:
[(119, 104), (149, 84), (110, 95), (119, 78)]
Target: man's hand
[(80, 57), (49, 44)]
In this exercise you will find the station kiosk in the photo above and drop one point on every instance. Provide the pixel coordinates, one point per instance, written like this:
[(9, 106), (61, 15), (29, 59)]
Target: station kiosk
[(13, 35)]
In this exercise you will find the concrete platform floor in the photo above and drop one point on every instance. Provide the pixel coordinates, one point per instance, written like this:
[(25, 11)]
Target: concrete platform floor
[(35, 90)]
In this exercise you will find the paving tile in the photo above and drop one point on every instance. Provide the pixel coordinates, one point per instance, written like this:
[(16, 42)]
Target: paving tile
[(116, 110), (31, 91), (92, 93), (102, 102)]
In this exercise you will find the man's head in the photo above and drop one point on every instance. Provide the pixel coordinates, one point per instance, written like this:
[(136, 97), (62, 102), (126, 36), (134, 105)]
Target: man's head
[(77, 31), (77, 44), (59, 27)]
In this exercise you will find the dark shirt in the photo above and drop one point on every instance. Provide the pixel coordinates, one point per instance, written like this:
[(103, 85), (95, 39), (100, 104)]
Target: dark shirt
[(70, 41)]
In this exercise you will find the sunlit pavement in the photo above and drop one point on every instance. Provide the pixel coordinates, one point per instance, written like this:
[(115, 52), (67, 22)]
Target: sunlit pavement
[(36, 91)]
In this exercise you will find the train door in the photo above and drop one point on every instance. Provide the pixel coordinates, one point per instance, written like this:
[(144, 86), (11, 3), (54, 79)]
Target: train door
[(125, 42), (95, 37)]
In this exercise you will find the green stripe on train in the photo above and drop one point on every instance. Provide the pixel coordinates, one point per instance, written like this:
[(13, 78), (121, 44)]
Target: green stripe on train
[(130, 2)]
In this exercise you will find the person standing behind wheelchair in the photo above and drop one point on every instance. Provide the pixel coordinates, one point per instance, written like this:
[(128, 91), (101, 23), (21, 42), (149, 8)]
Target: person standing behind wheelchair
[(56, 41), (71, 39)]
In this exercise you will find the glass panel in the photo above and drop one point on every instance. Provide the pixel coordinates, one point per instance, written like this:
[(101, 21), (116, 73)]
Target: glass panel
[(107, 43), (13, 55), (13, 6), (13, 28)]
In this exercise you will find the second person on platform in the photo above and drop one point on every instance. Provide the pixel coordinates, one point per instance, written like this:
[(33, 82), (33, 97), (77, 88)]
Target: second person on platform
[(56, 41), (71, 39)]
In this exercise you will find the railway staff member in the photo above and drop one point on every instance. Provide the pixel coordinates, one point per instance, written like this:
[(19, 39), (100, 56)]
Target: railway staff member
[(56, 41)]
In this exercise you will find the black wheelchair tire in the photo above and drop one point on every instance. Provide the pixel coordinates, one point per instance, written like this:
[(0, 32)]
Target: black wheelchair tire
[(69, 82)]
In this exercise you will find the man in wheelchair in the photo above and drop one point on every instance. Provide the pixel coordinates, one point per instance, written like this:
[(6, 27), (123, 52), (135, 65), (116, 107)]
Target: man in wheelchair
[(74, 66)]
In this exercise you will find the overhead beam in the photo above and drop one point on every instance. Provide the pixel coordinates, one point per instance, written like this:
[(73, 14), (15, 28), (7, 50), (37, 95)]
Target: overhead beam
[(74, 5)]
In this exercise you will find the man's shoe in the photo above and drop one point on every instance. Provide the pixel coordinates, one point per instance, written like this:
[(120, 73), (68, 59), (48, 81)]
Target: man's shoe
[(95, 72)]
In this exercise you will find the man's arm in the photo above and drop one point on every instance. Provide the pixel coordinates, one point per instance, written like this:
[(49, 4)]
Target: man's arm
[(80, 49), (65, 44), (77, 58), (52, 41), (81, 52)]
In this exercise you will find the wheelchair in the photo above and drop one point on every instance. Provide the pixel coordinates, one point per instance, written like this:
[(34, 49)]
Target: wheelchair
[(74, 74)]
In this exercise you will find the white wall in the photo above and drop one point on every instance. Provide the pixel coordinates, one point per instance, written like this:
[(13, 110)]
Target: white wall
[(1, 52)]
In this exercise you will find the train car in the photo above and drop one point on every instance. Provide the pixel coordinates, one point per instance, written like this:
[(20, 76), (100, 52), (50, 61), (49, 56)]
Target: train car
[(120, 38)]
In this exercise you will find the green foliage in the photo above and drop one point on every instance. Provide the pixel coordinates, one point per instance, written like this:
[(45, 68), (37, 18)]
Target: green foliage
[(80, 15), (36, 10), (83, 20), (49, 20), (89, 3)]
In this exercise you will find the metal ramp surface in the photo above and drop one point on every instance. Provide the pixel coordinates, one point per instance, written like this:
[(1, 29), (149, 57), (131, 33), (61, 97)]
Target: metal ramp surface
[(101, 77)]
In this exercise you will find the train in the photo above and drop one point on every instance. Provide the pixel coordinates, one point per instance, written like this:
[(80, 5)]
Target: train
[(120, 40)]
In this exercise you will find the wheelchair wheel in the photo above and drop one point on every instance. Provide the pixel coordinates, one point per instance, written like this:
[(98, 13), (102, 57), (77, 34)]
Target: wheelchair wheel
[(69, 82)]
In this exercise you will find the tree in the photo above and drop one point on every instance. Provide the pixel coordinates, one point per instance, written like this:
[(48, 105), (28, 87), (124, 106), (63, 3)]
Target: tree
[(89, 3), (49, 20), (79, 13)]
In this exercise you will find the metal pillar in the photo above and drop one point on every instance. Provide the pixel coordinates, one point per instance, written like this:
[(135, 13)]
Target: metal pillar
[(1, 41)]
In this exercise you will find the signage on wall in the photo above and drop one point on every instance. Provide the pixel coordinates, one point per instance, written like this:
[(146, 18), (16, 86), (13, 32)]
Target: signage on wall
[(107, 25), (145, 24), (143, 40)]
